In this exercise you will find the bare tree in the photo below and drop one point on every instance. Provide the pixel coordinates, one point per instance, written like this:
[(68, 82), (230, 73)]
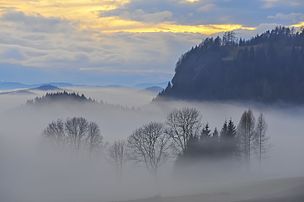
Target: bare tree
[(94, 138), (117, 153), (246, 133), (75, 132), (76, 129), (183, 125), (149, 145), (55, 132), (261, 138)]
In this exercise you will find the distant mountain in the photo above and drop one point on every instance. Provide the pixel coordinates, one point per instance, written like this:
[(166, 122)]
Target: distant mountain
[(18, 92), (47, 87), (14, 85), (148, 85), (267, 68), (154, 89), (17, 85), (60, 84)]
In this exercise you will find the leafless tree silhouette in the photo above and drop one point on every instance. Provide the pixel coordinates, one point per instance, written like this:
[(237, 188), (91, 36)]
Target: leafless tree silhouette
[(118, 155), (55, 132), (149, 145), (76, 129), (183, 125), (94, 138), (260, 137), (75, 132), (246, 134)]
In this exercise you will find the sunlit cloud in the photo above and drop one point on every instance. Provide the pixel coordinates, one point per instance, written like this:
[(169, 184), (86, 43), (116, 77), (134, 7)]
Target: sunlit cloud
[(299, 25), (88, 14), (191, 1), (201, 29), (91, 38)]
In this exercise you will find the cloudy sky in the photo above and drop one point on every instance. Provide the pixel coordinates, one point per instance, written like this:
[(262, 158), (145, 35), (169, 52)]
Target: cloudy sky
[(101, 42)]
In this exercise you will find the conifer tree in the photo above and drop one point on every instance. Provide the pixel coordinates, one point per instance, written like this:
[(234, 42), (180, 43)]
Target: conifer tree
[(224, 130), (206, 132), (231, 130)]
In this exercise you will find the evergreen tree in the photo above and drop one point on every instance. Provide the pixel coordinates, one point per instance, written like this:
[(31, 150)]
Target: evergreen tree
[(215, 133), (206, 132), (224, 130), (231, 130), (223, 69)]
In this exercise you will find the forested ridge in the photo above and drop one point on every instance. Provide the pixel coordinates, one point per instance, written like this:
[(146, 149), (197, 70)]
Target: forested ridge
[(267, 68)]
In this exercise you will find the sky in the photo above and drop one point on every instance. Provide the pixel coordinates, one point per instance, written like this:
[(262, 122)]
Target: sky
[(121, 42)]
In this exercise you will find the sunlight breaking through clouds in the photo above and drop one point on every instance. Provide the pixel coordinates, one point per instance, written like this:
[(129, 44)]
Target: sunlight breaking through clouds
[(88, 14), (299, 25), (92, 39), (201, 29)]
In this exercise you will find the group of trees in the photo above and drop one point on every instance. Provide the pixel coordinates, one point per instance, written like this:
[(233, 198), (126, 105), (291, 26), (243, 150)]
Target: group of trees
[(76, 133), (227, 68), (60, 97), (182, 135), (196, 140)]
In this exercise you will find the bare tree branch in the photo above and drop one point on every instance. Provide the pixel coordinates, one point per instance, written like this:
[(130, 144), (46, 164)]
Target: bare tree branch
[(149, 145)]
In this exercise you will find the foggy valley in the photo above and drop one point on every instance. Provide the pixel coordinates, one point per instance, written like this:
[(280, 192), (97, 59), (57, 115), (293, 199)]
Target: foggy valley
[(34, 170), (151, 101)]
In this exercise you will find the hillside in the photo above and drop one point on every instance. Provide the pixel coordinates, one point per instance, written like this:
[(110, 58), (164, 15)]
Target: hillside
[(47, 87), (60, 97), (267, 68)]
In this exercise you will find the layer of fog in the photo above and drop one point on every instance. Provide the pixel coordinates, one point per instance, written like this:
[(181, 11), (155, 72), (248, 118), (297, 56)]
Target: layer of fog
[(29, 172)]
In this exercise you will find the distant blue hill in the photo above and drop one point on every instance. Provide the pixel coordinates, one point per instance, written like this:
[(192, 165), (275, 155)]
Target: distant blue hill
[(148, 85), (14, 85), (17, 85), (154, 89), (18, 92), (46, 87)]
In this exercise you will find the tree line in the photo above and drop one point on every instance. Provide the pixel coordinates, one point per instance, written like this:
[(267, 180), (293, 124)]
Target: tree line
[(228, 68), (182, 136), (60, 97)]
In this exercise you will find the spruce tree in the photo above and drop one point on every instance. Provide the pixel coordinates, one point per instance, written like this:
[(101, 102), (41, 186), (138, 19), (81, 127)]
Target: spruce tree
[(215, 133), (206, 132), (231, 130), (224, 130)]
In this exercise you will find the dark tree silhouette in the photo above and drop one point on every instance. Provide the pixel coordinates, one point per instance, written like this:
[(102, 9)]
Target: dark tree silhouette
[(184, 125), (251, 70), (76, 129), (55, 132), (231, 130), (60, 97), (224, 131), (94, 138), (246, 133), (260, 137), (206, 132), (149, 145), (74, 132), (118, 156)]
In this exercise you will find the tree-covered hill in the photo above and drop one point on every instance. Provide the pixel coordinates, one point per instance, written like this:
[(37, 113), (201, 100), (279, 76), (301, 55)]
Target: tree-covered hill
[(267, 68), (59, 97)]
